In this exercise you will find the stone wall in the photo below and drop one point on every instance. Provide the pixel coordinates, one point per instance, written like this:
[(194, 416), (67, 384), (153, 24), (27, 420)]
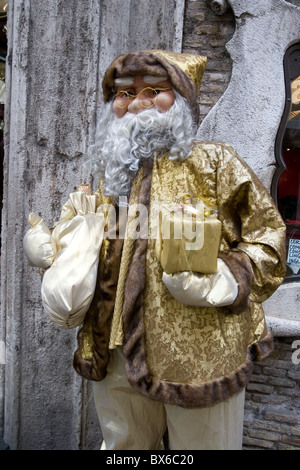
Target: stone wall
[(206, 33), (272, 417)]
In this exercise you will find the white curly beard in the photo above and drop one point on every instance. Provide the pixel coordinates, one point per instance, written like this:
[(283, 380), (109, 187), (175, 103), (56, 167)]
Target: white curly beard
[(121, 143)]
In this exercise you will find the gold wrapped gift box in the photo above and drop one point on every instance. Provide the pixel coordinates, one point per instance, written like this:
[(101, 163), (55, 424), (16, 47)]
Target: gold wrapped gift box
[(187, 242)]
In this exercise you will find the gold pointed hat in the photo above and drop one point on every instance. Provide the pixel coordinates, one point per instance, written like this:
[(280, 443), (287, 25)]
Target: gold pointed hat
[(185, 72)]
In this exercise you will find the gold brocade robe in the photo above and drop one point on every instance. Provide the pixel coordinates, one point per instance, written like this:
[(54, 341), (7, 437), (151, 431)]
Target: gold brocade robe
[(180, 354)]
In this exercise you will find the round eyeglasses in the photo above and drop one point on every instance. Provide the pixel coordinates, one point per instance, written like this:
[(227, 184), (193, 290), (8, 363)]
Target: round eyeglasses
[(122, 98)]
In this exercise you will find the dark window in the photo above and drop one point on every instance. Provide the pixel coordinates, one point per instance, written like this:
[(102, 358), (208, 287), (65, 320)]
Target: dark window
[(286, 181)]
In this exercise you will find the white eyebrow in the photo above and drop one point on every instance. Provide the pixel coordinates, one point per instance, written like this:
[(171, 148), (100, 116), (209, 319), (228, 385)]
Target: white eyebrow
[(151, 79), (124, 81)]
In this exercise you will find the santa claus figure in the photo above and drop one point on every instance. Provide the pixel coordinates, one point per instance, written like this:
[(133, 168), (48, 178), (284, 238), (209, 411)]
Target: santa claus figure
[(171, 349)]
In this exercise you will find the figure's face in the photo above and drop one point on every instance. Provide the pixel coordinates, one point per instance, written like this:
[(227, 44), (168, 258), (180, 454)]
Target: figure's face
[(140, 95)]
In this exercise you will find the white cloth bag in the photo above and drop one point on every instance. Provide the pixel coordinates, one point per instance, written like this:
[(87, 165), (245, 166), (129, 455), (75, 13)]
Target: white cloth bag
[(68, 285)]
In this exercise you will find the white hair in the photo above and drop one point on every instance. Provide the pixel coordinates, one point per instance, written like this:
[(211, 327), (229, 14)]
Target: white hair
[(121, 143)]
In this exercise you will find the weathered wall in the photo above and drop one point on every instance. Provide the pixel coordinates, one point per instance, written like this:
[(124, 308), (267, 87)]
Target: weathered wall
[(206, 33), (57, 53), (51, 77), (249, 103)]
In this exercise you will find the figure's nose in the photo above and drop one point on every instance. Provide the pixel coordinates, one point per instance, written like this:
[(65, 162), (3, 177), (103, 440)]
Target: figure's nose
[(139, 103)]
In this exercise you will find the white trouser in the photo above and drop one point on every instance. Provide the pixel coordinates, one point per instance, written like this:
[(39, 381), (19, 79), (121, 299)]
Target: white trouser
[(130, 421)]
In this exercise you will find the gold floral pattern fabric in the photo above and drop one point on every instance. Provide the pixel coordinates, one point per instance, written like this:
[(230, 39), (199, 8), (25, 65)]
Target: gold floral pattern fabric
[(195, 344)]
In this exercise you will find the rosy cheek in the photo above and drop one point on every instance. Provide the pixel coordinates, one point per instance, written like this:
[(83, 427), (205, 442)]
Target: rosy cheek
[(119, 112), (164, 102)]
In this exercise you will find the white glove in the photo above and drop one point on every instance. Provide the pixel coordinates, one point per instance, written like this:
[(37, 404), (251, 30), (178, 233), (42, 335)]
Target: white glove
[(39, 248), (203, 290)]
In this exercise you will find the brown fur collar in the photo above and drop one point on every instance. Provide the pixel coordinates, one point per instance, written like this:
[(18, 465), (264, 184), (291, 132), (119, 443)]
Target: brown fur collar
[(100, 316), (133, 324)]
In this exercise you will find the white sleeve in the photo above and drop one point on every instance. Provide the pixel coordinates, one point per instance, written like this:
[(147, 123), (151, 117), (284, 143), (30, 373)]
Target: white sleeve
[(203, 290), (68, 285)]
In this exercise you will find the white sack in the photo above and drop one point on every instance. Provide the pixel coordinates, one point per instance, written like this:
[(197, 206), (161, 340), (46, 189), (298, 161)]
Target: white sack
[(68, 285)]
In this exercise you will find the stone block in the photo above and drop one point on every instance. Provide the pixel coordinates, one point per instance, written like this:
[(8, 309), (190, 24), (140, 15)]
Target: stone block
[(281, 416), (291, 441), (260, 443), (272, 371), (264, 435), (255, 387)]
